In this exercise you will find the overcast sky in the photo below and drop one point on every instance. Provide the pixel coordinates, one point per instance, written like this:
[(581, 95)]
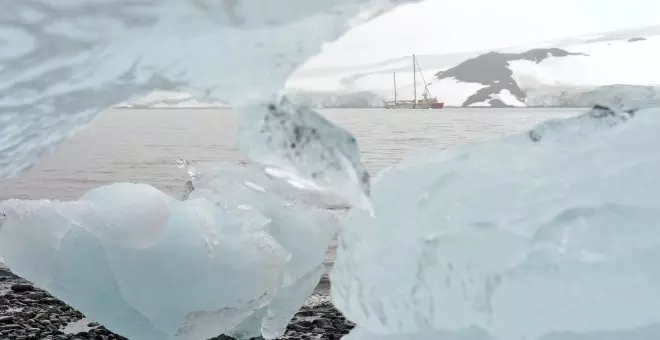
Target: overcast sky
[(441, 26)]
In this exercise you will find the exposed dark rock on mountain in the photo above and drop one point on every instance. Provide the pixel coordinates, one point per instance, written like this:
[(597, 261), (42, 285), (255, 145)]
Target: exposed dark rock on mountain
[(492, 70)]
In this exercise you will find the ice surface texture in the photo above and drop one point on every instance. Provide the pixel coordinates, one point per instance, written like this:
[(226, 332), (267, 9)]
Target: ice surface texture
[(238, 256), (301, 142), (244, 251), (547, 235), (64, 61), (551, 237)]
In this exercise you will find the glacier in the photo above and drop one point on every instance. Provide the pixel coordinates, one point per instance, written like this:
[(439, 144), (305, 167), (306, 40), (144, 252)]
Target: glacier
[(226, 260), (551, 237)]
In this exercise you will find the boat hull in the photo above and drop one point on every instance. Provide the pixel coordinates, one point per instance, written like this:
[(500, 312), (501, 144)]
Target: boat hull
[(429, 101), (421, 106)]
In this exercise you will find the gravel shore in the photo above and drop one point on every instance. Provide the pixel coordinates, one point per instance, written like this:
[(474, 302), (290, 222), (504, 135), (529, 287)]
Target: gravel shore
[(28, 313)]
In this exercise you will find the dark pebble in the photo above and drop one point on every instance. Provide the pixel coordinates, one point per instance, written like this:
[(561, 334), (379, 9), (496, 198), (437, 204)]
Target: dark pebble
[(322, 323), (305, 323), (36, 295), (308, 312), (28, 313), (20, 287)]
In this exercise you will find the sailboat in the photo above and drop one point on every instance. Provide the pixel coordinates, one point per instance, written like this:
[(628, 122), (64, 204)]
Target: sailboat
[(427, 101)]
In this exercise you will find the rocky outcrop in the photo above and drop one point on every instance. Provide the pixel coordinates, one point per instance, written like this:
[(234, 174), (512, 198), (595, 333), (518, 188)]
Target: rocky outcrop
[(492, 70)]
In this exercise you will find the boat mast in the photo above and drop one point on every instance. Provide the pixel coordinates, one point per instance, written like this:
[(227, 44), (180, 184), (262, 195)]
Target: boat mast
[(394, 88), (414, 81)]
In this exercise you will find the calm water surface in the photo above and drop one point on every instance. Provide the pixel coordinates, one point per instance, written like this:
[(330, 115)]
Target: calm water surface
[(143, 145)]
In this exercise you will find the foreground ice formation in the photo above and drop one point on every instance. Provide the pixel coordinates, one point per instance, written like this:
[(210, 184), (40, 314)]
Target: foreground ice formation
[(239, 256), (63, 62), (556, 237), (301, 142), (549, 235), (597, 119)]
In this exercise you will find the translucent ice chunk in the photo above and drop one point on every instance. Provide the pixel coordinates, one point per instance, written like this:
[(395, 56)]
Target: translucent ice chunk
[(551, 240), (288, 301), (63, 62), (122, 205), (229, 259), (284, 212), (271, 321), (182, 284), (599, 118), (294, 217), (303, 144), (359, 333), (642, 333)]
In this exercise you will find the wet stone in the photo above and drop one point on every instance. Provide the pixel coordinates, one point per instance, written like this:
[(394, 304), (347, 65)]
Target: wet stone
[(29, 313), (21, 287)]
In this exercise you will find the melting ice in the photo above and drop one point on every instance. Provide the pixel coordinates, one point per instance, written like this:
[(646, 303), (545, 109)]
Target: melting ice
[(300, 142), (64, 62), (555, 237), (544, 236), (239, 256), (244, 251)]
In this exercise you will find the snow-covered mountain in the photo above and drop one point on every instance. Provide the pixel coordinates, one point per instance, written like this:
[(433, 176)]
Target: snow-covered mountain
[(376, 78), (578, 71), (614, 68), (583, 71), (492, 74)]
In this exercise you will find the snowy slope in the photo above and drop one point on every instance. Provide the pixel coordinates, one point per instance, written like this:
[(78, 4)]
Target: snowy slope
[(573, 71), (528, 75), (378, 78), (443, 34), (577, 68)]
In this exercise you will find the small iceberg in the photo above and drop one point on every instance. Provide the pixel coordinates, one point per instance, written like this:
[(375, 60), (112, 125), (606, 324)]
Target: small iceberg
[(239, 256)]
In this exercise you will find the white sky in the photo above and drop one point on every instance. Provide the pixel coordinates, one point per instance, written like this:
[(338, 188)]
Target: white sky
[(441, 26)]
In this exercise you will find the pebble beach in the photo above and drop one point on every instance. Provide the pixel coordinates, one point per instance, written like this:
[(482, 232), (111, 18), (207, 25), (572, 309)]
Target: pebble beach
[(29, 313)]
